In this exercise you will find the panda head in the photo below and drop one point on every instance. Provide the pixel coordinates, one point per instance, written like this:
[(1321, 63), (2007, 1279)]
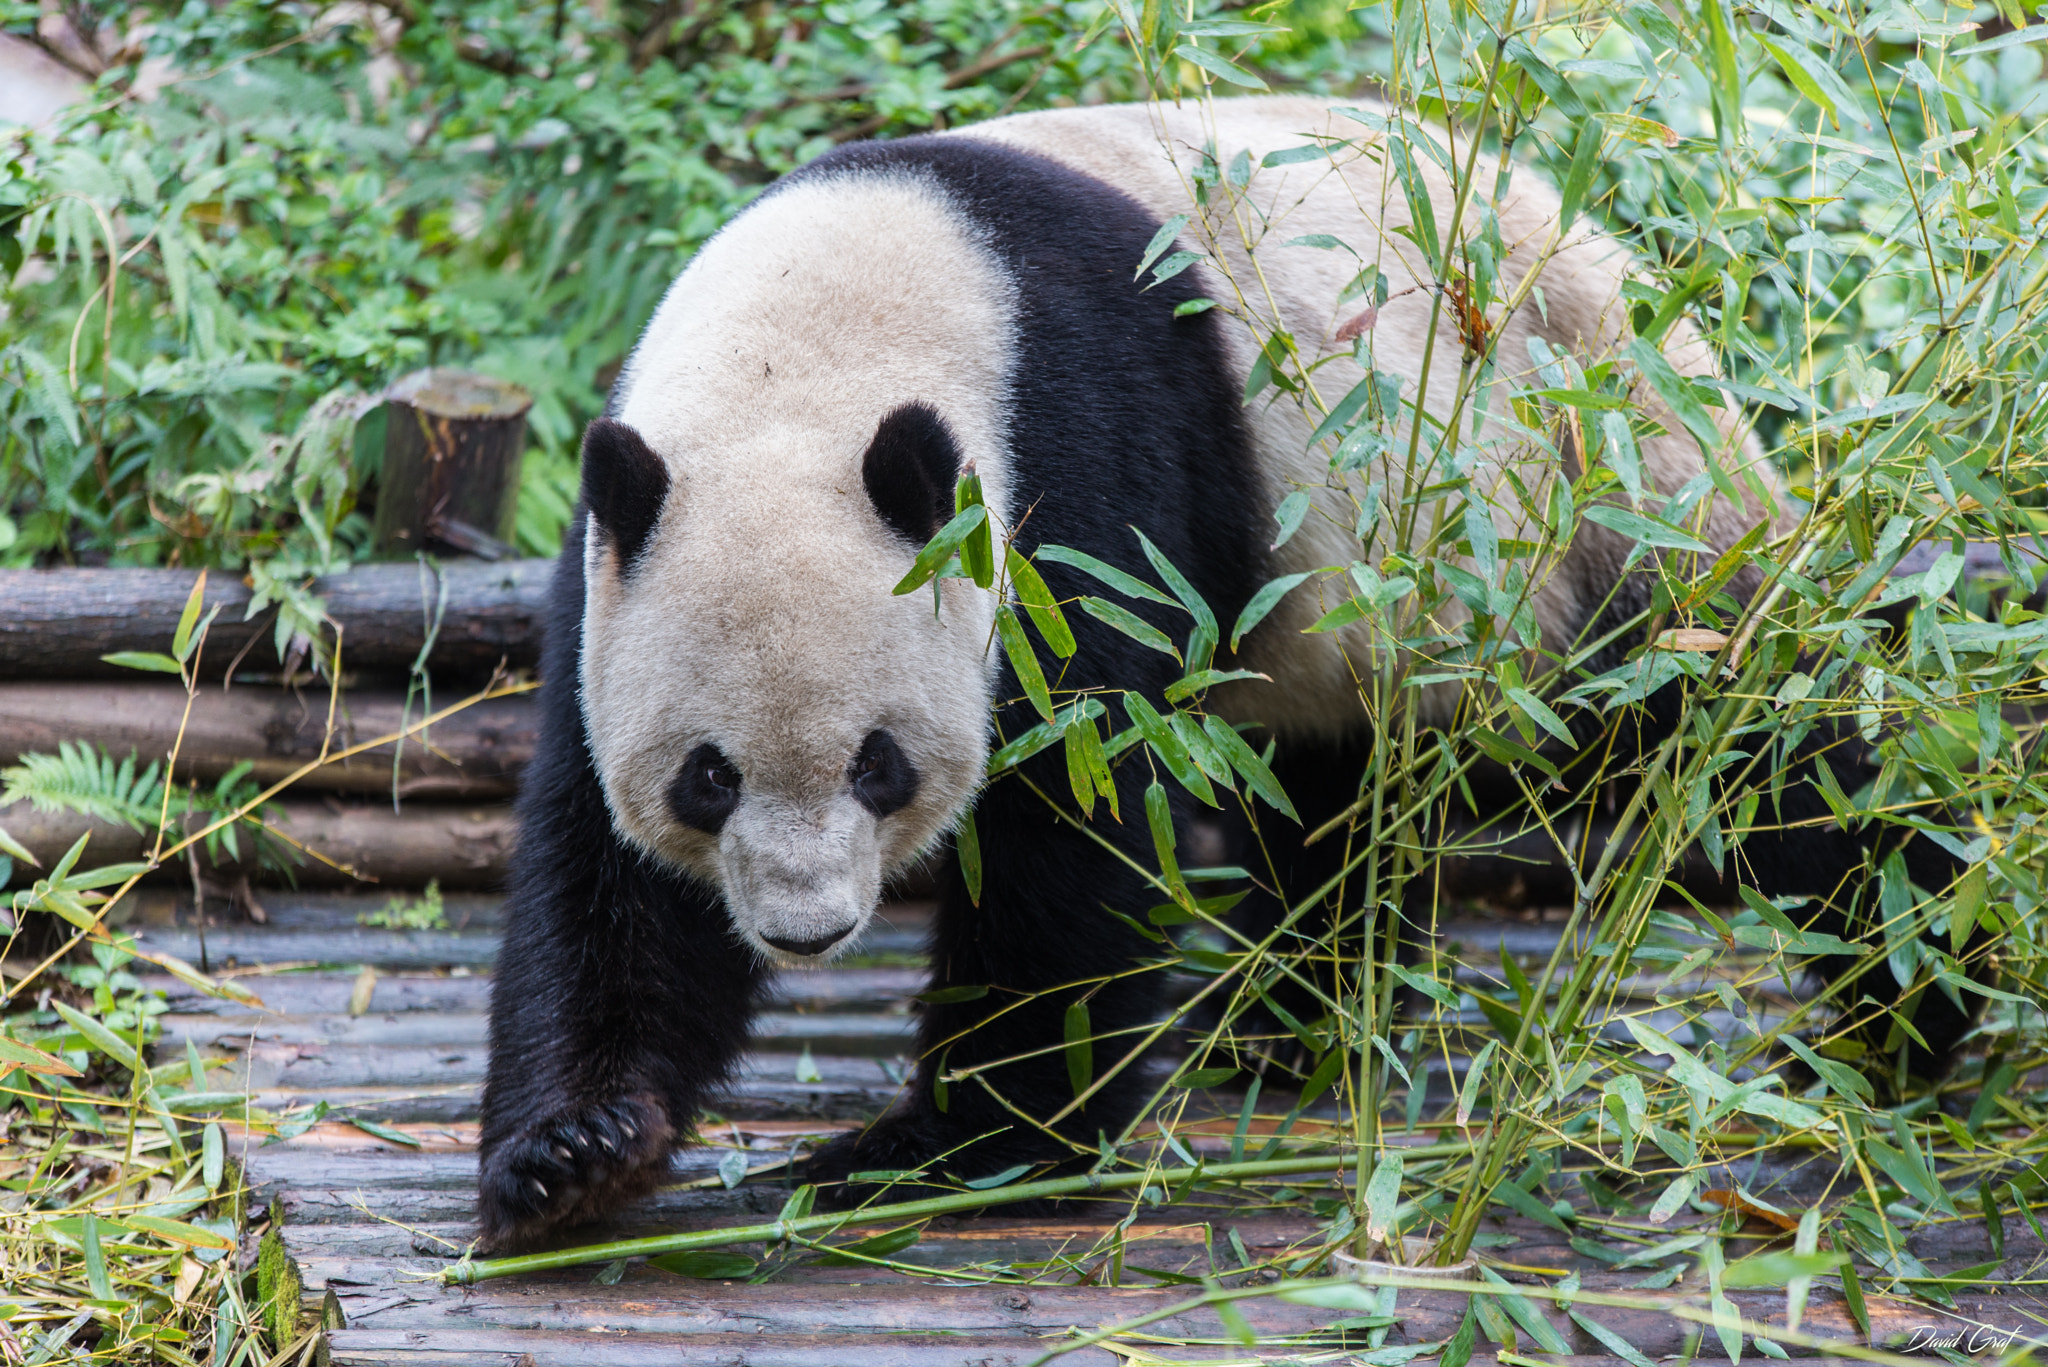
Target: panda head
[(764, 713)]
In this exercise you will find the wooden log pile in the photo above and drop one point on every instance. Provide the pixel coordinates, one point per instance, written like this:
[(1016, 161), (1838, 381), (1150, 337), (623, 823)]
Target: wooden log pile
[(57, 624), (433, 807)]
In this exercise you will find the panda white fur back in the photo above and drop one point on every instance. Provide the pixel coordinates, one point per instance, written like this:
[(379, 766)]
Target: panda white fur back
[(1353, 195), (745, 730)]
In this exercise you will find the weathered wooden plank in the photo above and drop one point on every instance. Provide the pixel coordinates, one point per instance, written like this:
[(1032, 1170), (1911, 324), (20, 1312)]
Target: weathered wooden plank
[(458, 846), (56, 624), (333, 935), (475, 755), (659, 1302), (859, 1033), (248, 946), (329, 934), (329, 992), (301, 909), (603, 1347), (699, 1321), (420, 1085)]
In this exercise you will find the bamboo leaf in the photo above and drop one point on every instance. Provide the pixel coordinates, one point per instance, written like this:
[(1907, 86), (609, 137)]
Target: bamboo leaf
[(1018, 647), (1130, 624), (14, 849), (941, 548), (1169, 748), (1475, 1076), (1218, 66), (1080, 1047), (1538, 711), (704, 1264), (1159, 818), (1038, 600), (101, 1038), (1257, 776), (977, 552), (967, 848), (15, 1054), (181, 641), (1128, 585), (1383, 1196), (1161, 240), (1649, 530), (1263, 602), (152, 661)]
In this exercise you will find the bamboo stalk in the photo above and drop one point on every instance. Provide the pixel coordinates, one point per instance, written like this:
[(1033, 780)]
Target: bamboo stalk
[(467, 1273)]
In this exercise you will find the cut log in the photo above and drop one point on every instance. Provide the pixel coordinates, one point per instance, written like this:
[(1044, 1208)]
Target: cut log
[(452, 447), (56, 624), (462, 847), (476, 754)]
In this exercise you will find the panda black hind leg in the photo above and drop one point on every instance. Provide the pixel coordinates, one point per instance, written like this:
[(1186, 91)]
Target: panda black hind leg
[(1037, 943), (1806, 853), (620, 997)]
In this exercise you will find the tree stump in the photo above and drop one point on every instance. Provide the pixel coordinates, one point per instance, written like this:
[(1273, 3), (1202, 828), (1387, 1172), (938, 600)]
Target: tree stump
[(452, 448)]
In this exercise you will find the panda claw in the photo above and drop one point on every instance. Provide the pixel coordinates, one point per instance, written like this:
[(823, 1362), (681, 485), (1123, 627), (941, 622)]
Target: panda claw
[(571, 1167)]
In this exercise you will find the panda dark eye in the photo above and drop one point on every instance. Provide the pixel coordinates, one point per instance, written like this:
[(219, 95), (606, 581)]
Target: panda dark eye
[(706, 791), (883, 778)]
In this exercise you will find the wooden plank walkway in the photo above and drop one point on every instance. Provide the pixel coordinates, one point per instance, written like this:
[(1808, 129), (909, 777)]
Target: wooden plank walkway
[(371, 1220)]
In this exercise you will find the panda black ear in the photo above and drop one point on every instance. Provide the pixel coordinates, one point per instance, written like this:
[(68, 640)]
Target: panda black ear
[(909, 470), (624, 486)]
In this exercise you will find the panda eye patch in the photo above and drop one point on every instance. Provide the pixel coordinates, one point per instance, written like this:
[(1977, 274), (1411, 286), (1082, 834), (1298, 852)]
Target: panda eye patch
[(706, 791), (883, 778)]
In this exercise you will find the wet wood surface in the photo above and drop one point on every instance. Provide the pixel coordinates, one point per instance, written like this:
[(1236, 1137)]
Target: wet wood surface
[(387, 1025)]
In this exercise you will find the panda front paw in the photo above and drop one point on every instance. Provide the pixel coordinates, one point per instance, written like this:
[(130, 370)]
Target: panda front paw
[(572, 1166)]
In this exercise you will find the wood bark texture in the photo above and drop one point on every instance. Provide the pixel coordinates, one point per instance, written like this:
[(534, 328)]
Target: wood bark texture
[(475, 755), (461, 846), (56, 624), (452, 448)]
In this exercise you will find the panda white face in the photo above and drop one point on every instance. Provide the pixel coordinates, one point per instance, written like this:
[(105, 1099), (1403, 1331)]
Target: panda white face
[(763, 711), (790, 731)]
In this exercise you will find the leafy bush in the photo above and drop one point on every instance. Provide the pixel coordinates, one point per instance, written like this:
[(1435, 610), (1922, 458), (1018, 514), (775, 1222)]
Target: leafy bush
[(319, 198)]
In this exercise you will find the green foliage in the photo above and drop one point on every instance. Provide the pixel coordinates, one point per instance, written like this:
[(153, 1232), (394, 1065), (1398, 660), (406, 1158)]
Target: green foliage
[(84, 778), (323, 198), (424, 912)]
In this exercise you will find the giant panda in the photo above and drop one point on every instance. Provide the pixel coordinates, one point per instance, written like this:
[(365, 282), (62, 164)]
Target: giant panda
[(745, 732)]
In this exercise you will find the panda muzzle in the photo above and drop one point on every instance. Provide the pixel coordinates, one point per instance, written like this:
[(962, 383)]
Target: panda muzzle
[(808, 947)]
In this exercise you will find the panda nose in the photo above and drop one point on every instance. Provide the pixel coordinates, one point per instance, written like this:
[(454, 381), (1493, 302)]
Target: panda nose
[(817, 946)]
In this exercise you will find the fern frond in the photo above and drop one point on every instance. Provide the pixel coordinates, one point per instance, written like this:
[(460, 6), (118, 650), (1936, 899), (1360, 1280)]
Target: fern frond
[(83, 778)]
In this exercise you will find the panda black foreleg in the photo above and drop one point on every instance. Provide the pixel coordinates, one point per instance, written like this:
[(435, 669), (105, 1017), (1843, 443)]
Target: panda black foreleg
[(1805, 853), (620, 997), (619, 1004), (1039, 941)]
